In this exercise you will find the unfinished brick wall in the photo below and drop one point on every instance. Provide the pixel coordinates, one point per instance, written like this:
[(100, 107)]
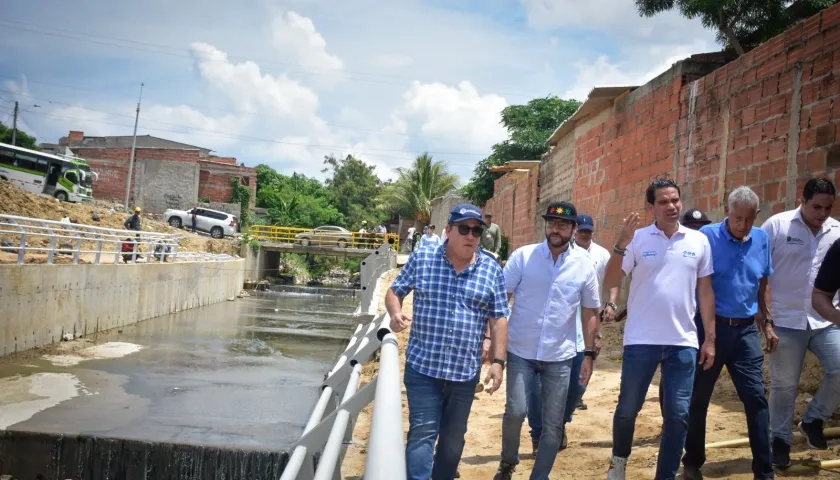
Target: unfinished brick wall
[(215, 180), (514, 206), (769, 120)]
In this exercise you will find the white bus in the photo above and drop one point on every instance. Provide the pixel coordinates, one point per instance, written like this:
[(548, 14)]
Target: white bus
[(65, 178)]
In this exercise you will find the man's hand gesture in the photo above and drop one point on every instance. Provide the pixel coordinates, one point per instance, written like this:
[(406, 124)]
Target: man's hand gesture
[(399, 322), (628, 228)]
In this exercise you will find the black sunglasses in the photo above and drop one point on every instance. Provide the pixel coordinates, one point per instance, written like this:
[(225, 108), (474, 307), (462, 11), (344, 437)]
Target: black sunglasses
[(476, 231)]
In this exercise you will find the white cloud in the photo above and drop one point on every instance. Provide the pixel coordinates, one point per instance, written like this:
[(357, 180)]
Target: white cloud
[(602, 72), (459, 115), (297, 34)]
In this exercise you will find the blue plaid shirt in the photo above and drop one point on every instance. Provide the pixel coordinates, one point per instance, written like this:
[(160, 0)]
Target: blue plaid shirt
[(450, 311)]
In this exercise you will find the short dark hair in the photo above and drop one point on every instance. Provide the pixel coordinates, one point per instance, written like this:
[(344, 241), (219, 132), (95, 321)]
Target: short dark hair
[(817, 186), (655, 185)]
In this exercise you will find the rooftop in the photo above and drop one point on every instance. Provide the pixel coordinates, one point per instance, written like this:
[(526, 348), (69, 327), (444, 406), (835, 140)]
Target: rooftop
[(125, 141)]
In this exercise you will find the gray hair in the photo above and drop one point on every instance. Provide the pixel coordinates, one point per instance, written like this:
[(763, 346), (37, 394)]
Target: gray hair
[(743, 195)]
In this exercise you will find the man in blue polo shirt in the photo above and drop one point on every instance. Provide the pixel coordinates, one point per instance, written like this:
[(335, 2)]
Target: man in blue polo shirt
[(458, 290), (741, 256)]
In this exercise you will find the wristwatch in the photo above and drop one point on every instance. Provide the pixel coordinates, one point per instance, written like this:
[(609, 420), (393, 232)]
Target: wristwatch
[(499, 361), (612, 305), (590, 352), (769, 321)]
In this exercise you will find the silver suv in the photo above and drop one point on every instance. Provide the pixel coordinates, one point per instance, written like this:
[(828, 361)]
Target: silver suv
[(217, 224)]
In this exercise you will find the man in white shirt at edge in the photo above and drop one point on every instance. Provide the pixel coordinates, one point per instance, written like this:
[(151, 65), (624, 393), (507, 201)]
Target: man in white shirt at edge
[(669, 263), (549, 280), (599, 256), (799, 240)]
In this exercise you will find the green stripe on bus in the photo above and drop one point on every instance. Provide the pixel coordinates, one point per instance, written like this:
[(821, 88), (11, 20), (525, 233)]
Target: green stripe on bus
[(24, 170), (66, 184)]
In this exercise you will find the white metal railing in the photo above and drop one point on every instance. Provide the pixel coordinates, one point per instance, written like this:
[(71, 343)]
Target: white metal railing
[(22, 235), (325, 436)]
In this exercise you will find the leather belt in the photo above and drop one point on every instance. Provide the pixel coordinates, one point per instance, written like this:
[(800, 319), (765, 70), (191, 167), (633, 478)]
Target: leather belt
[(735, 322)]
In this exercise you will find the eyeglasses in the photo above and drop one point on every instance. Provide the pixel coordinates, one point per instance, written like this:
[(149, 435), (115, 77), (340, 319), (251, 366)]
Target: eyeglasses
[(476, 231), (558, 225)]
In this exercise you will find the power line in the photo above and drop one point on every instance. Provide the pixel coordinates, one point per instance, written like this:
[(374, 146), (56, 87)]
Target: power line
[(189, 54), (210, 133)]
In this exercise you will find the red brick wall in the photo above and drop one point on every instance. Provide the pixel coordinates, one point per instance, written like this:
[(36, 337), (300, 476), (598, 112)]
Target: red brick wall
[(713, 132), (514, 205), (215, 180)]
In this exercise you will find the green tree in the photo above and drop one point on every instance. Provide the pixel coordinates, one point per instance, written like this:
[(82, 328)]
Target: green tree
[(22, 139), (353, 188), (295, 200), (411, 194), (529, 127), (242, 195), (740, 24)]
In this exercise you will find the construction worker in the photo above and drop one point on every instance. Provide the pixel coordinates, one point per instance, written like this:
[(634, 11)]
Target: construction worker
[(133, 222)]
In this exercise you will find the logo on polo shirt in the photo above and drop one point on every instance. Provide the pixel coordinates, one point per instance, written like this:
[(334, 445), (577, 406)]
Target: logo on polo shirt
[(649, 253), (688, 253), (794, 241)]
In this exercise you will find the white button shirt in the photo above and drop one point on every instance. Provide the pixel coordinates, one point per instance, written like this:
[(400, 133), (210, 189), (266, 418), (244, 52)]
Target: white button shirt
[(661, 304), (797, 255), (542, 324), (599, 256)]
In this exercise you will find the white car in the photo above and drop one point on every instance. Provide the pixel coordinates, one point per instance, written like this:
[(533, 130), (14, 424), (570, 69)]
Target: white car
[(217, 224)]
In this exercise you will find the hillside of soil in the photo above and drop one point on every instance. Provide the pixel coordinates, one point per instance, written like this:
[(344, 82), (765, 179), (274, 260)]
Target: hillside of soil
[(18, 202)]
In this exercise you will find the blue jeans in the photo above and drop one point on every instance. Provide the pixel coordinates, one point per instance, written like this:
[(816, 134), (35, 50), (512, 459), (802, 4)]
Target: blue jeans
[(638, 366), (576, 391), (554, 377), (438, 410), (739, 349), (786, 367)]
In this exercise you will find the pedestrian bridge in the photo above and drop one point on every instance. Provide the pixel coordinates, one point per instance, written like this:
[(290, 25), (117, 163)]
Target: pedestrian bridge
[(327, 240)]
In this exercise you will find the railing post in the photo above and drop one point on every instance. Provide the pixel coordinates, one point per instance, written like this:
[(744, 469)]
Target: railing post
[(386, 450), (98, 248), (22, 248), (51, 251)]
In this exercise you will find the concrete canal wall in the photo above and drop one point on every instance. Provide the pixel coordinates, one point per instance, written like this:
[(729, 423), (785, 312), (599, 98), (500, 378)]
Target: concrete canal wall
[(86, 457), (40, 303)]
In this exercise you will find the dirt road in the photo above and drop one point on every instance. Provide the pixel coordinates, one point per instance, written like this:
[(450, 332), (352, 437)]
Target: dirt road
[(590, 433)]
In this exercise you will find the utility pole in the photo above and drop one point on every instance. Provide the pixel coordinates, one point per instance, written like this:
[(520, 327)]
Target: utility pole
[(14, 125), (133, 146)]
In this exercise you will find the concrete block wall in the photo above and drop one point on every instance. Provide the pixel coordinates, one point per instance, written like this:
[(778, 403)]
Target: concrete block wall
[(514, 207), (42, 302), (167, 184)]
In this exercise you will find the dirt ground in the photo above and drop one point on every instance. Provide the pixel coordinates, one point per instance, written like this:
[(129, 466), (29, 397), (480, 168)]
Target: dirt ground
[(18, 202), (590, 433)]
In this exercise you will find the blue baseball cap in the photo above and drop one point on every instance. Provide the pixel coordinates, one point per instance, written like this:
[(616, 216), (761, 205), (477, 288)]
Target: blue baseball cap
[(465, 211), (585, 222)]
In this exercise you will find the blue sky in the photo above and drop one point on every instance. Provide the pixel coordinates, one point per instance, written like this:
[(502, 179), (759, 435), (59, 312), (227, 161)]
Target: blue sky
[(287, 82)]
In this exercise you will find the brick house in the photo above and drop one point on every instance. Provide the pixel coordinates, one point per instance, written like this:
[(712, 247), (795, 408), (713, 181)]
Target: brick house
[(167, 174)]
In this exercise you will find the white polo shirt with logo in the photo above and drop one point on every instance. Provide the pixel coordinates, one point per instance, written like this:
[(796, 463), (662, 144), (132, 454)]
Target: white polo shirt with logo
[(661, 304), (797, 255)]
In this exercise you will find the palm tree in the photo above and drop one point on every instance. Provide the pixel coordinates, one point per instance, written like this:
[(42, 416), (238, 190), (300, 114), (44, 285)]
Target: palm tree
[(411, 194)]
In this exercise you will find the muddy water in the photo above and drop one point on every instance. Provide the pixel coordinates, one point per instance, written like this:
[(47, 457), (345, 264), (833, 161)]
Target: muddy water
[(240, 374)]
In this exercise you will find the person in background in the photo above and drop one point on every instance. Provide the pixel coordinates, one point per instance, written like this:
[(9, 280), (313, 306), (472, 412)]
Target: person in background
[(193, 218), (430, 237), (409, 238), (599, 257), (127, 247), (799, 240), (458, 292), (549, 281), (742, 265), (824, 299), (670, 264), (492, 240), (133, 222)]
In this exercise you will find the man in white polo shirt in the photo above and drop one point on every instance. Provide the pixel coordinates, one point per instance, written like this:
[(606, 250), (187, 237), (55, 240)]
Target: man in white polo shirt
[(549, 281), (669, 263), (799, 240)]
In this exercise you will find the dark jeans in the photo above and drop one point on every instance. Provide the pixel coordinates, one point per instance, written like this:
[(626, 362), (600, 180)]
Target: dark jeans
[(574, 396), (638, 366), (739, 349), (438, 410)]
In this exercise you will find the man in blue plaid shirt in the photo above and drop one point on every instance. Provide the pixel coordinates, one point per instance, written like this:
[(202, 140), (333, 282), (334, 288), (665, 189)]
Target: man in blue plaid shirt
[(457, 291)]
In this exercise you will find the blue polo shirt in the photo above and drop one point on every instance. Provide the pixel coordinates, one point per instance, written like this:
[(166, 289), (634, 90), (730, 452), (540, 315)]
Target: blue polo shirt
[(739, 266)]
